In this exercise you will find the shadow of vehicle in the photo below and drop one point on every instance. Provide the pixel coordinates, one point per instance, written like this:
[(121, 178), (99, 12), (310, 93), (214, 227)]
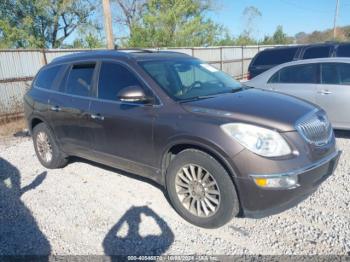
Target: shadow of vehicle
[(19, 232), (133, 243), (342, 133)]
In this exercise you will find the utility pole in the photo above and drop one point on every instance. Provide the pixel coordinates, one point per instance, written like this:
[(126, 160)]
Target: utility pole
[(108, 24), (335, 20)]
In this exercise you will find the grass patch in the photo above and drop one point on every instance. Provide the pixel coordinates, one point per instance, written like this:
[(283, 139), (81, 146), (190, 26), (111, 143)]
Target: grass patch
[(12, 127)]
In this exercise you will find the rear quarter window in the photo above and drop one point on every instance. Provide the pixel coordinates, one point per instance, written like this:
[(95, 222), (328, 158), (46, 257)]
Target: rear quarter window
[(343, 51), (317, 52), (47, 77), (275, 56)]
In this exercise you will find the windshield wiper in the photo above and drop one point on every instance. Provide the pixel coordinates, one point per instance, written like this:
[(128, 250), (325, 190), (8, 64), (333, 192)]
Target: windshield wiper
[(195, 98)]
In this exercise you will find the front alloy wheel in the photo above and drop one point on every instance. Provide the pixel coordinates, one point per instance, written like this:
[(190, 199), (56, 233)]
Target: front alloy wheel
[(197, 190), (200, 189)]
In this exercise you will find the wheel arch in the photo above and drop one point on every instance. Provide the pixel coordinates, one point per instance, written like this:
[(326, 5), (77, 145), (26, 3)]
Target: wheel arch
[(211, 149), (34, 122)]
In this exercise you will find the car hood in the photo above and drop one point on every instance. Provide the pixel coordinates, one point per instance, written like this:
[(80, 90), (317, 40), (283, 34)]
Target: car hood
[(254, 106)]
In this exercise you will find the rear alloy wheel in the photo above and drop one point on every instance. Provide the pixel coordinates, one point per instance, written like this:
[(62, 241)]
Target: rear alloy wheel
[(201, 190), (46, 149)]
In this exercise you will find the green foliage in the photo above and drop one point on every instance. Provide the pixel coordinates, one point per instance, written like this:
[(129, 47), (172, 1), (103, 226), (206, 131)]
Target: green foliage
[(89, 40), (41, 23), (174, 23), (278, 37)]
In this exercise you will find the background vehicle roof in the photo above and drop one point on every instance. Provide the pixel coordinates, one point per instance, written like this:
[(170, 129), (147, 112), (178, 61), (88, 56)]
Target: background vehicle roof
[(267, 74), (137, 54), (306, 45), (317, 60)]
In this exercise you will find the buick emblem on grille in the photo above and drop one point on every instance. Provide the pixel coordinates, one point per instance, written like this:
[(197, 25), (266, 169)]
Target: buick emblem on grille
[(323, 122), (315, 128)]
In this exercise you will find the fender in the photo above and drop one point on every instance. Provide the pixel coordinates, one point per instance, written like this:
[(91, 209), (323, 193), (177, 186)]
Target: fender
[(205, 145)]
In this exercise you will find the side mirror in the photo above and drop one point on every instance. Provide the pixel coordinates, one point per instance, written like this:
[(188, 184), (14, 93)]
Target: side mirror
[(133, 94)]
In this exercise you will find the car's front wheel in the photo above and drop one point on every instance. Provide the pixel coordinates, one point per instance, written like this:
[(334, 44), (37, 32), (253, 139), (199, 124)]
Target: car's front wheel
[(46, 149), (201, 190)]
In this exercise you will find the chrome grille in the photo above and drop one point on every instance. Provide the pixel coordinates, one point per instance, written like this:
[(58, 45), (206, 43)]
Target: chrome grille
[(315, 128)]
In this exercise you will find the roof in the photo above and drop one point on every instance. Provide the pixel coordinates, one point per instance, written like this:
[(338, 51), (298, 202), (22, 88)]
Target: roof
[(329, 43), (317, 60), (137, 54)]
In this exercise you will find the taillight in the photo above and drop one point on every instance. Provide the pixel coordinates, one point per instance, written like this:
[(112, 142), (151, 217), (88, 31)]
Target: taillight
[(249, 76)]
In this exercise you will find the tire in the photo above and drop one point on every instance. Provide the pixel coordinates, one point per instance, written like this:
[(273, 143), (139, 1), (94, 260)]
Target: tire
[(219, 213), (58, 159)]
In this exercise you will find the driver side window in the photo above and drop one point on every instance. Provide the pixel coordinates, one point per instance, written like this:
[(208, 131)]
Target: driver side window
[(113, 78)]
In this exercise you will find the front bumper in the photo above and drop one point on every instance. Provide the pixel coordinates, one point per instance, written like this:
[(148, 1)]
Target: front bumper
[(260, 202)]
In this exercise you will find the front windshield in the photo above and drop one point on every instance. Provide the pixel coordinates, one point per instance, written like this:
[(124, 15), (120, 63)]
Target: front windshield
[(190, 79)]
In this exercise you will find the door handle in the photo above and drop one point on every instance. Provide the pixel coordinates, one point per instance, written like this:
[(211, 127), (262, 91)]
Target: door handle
[(97, 116), (55, 108), (324, 92)]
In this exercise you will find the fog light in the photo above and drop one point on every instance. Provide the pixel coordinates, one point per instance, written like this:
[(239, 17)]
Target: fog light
[(276, 181)]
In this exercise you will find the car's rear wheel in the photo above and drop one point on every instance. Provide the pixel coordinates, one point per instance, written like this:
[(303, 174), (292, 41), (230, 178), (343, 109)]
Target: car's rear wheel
[(201, 190), (46, 148)]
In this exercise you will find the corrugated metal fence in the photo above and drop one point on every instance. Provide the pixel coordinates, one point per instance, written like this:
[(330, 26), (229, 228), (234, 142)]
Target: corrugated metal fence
[(18, 67)]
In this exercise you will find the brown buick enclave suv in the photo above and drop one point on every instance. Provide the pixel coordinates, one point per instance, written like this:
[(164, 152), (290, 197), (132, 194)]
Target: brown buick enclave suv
[(219, 149)]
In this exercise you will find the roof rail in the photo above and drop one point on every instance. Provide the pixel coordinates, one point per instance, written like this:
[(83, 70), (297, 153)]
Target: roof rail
[(134, 50)]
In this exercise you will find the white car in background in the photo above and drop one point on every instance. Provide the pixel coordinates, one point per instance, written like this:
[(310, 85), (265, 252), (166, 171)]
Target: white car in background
[(322, 81)]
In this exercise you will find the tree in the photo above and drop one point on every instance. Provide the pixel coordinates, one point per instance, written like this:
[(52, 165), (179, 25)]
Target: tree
[(129, 12), (41, 23), (250, 17), (174, 23), (278, 37)]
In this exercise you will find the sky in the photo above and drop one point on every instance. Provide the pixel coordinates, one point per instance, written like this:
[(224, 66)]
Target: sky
[(294, 15)]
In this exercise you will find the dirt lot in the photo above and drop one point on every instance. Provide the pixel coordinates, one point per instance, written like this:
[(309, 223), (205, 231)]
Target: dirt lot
[(89, 209)]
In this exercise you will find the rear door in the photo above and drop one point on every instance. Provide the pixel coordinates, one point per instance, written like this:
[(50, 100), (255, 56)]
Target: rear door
[(70, 107), (44, 84), (333, 93), (122, 131), (297, 80)]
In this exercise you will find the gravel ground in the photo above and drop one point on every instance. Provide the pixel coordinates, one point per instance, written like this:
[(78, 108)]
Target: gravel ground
[(85, 209)]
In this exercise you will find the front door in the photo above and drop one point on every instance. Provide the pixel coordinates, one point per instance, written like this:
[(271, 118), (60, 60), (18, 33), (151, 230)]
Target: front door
[(333, 93), (298, 80), (123, 132)]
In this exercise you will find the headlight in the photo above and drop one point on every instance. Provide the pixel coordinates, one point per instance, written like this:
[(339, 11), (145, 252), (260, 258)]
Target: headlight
[(261, 141)]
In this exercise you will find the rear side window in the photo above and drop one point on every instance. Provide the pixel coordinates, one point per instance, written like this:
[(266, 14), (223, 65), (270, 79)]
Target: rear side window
[(316, 52), (113, 78), (343, 51), (335, 73), (275, 56), (299, 74), (79, 81), (47, 77)]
